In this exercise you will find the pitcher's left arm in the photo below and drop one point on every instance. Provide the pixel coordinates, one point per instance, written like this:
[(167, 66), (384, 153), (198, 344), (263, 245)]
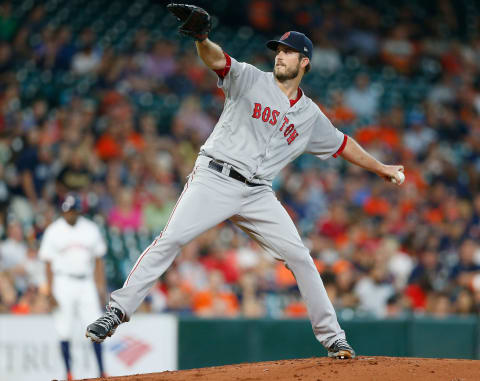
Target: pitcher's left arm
[(355, 154)]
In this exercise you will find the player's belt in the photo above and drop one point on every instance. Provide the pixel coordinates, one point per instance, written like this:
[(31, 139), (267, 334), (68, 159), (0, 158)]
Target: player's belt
[(74, 276), (218, 166)]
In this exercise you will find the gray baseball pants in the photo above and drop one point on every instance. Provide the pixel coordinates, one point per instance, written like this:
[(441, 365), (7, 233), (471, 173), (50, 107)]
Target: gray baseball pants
[(209, 198)]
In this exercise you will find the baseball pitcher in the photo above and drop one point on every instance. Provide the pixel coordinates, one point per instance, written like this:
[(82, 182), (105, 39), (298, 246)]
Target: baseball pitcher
[(73, 247), (266, 123)]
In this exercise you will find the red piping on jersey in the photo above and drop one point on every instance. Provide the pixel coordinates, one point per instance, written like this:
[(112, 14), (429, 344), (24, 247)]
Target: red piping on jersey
[(299, 95), (342, 147), (222, 73), (160, 236)]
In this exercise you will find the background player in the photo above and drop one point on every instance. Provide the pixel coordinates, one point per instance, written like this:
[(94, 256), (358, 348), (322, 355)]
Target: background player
[(266, 123), (72, 248)]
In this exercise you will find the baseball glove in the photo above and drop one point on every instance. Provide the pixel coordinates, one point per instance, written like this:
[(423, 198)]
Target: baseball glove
[(196, 22)]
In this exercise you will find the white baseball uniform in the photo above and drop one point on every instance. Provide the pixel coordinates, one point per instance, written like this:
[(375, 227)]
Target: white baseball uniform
[(258, 133), (72, 251)]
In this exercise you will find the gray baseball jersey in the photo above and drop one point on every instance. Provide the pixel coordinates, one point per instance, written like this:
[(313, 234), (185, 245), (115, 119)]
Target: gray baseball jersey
[(258, 133)]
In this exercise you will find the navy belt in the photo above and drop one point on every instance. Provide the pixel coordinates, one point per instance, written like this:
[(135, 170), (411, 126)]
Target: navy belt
[(218, 166), (74, 276)]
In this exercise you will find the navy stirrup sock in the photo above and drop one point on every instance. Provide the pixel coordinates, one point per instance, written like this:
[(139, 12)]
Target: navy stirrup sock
[(98, 354), (65, 345)]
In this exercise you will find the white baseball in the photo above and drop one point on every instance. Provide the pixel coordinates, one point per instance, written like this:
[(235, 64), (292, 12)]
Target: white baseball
[(401, 176)]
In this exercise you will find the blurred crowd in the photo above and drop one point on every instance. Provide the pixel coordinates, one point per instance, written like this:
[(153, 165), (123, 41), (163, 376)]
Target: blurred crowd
[(381, 250)]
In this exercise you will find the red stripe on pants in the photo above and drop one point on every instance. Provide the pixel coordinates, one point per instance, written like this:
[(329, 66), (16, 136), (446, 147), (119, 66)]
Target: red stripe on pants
[(160, 236)]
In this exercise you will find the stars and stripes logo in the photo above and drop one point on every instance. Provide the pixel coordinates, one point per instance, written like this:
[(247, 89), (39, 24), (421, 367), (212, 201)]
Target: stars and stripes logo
[(285, 36), (129, 350)]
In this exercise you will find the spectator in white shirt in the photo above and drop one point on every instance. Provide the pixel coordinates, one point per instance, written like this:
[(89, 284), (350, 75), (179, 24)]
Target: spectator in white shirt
[(363, 97)]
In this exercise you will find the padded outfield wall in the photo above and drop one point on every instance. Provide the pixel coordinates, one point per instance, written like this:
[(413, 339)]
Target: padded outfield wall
[(29, 349), (220, 342)]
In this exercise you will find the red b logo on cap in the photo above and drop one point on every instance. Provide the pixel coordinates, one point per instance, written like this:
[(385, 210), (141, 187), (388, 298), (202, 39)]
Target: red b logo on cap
[(285, 36)]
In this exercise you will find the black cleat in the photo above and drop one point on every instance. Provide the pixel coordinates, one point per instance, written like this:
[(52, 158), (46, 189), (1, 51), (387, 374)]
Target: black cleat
[(340, 349), (105, 325)]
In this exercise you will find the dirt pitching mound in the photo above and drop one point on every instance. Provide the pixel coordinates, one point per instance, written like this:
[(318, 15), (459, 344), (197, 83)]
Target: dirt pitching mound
[(324, 369)]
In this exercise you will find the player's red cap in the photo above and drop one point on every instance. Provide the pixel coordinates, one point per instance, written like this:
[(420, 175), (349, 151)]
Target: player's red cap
[(295, 40)]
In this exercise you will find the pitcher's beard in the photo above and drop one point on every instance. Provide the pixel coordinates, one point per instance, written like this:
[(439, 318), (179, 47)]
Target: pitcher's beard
[(289, 74)]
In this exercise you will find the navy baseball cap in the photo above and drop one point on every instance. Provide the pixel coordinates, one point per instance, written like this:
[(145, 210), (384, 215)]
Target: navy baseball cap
[(72, 202), (295, 40)]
